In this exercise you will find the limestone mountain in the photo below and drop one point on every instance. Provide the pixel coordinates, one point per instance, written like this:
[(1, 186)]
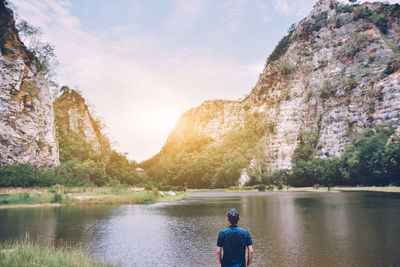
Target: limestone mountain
[(85, 149), (73, 119), (27, 132), (333, 76)]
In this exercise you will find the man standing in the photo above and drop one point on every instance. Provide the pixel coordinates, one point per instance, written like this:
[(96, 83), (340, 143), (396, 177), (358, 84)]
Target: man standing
[(234, 241)]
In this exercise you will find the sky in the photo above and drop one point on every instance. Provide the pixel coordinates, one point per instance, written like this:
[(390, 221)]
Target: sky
[(140, 64)]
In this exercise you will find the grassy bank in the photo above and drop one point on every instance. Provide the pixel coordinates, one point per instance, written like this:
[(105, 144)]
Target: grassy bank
[(83, 196), (313, 189), (113, 197), (394, 189), (28, 253)]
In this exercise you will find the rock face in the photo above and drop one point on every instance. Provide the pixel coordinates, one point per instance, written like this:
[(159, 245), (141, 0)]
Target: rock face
[(335, 74), (27, 132), (73, 116)]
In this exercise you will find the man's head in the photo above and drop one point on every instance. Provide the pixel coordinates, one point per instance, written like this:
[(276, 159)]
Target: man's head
[(233, 216)]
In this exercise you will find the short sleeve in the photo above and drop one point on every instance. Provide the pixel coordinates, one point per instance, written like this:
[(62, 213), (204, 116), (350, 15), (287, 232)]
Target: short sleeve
[(249, 242), (220, 240)]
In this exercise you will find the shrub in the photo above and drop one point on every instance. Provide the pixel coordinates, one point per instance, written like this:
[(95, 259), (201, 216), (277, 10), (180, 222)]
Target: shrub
[(261, 187), (286, 68), (338, 23), (281, 48), (306, 147), (57, 198), (326, 90), (30, 87), (392, 66), (319, 21), (350, 82), (378, 19), (346, 9)]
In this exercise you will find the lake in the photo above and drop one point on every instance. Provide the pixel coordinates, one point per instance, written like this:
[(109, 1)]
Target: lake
[(287, 228)]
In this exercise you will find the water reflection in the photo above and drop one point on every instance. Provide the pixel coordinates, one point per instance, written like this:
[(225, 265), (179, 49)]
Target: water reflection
[(288, 229)]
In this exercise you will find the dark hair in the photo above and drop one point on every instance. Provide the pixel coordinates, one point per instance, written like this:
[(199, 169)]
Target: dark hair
[(233, 216)]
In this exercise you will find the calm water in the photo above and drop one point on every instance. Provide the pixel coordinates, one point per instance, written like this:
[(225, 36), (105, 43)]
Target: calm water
[(288, 229)]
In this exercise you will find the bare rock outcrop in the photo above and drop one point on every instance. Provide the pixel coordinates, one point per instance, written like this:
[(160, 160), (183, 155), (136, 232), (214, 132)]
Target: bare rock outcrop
[(27, 133)]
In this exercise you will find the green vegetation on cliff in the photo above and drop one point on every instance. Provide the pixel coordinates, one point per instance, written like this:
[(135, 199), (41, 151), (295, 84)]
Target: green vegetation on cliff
[(371, 160), (82, 164), (199, 163)]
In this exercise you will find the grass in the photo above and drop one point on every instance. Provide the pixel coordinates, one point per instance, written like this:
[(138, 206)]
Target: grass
[(395, 189), (313, 189), (100, 196), (28, 253), (127, 197), (26, 198)]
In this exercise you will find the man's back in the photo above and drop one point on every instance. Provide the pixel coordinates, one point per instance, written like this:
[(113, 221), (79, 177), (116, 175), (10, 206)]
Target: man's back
[(234, 241)]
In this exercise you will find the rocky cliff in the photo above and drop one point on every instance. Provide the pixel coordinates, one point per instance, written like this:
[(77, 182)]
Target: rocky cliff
[(72, 115), (333, 76), (27, 132)]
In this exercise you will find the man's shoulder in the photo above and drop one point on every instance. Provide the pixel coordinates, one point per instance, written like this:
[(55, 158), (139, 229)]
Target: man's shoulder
[(242, 230), (223, 231), (234, 229)]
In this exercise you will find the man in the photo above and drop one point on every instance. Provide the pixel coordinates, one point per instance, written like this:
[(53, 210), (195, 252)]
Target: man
[(234, 241)]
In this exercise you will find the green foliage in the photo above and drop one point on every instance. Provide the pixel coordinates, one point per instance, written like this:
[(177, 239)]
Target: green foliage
[(26, 198), (261, 187), (57, 198), (350, 82), (305, 149), (282, 46), (318, 22), (42, 53), (371, 160), (30, 87), (379, 17), (81, 164), (326, 90), (201, 164), (28, 253), (287, 69), (392, 66), (24, 175), (344, 9)]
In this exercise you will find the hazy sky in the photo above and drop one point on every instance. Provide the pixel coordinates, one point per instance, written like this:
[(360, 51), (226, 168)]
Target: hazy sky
[(141, 64)]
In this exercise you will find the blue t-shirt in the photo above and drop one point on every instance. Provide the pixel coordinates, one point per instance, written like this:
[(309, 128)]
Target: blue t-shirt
[(234, 241)]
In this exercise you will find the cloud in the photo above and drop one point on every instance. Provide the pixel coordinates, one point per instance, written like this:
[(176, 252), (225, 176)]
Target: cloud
[(264, 11), (186, 13), (299, 8)]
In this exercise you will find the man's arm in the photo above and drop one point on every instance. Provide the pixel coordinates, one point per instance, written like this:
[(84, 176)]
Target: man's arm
[(219, 255), (250, 248)]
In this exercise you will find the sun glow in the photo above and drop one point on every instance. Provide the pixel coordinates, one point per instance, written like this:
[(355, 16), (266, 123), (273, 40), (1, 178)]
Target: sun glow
[(161, 120)]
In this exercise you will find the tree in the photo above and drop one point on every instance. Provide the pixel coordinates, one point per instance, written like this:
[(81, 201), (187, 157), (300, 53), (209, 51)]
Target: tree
[(43, 51)]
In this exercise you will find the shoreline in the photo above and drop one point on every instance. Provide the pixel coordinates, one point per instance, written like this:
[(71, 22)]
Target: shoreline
[(149, 197), (41, 205), (334, 189), (105, 198)]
